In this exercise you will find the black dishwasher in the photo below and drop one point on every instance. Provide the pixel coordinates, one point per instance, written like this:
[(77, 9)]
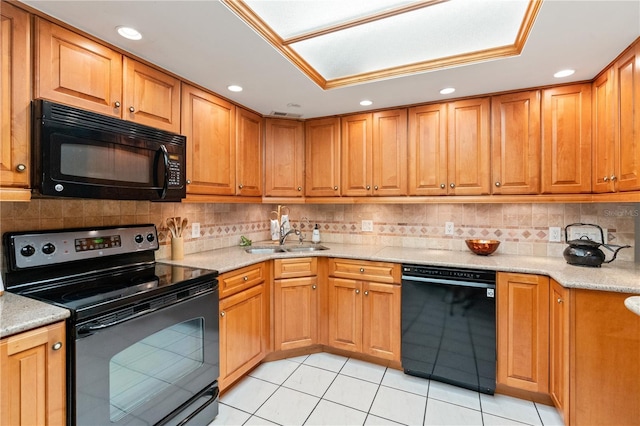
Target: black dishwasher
[(449, 325)]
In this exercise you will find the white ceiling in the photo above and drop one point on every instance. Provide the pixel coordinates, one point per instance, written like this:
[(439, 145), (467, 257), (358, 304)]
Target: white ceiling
[(204, 42)]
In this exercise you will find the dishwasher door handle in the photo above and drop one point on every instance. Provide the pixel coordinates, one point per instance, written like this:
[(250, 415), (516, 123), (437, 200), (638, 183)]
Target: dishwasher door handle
[(447, 282)]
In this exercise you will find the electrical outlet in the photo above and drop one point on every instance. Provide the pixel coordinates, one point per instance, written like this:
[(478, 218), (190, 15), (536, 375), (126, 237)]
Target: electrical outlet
[(195, 230), (448, 228), (554, 234), (367, 226)]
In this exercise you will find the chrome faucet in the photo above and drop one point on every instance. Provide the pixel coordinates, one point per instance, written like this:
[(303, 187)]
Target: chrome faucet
[(284, 235)]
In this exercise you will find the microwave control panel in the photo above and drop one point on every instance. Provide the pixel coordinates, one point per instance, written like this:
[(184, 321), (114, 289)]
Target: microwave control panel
[(174, 171)]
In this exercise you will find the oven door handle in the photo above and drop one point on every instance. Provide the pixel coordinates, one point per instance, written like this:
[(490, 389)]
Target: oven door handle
[(165, 158), (87, 329)]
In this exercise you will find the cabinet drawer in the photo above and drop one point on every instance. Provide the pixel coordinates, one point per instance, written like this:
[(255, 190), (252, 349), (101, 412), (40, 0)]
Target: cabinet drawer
[(241, 279), (294, 268), (365, 271)]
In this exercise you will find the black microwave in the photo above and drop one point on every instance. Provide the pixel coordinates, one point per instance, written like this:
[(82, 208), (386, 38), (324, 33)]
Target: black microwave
[(77, 153)]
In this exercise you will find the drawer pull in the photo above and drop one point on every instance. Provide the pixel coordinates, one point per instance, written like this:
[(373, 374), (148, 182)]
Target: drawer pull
[(116, 104), (222, 313), (335, 188), (560, 300), (361, 269), (313, 287), (56, 346), (132, 109), (357, 291), (366, 293), (442, 185), (246, 278), (21, 168)]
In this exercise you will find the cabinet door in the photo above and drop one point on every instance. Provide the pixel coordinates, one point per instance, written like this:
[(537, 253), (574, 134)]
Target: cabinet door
[(515, 139), (469, 147), (249, 149), (627, 130), (428, 150), (284, 158), (381, 320), (345, 314), (296, 313), (322, 149), (604, 150), (32, 389), (74, 70), (244, 333), (150, 97), (15, 106), (566, 139), (357, 131), (523, 332), (208, 122), (559, 348), (389, 153)]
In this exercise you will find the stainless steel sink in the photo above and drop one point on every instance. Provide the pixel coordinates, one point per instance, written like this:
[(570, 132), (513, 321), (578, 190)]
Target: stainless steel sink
[(294, 249), (264, 250)]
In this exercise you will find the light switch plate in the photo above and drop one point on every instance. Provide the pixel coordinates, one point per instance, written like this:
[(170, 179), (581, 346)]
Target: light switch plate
[(367, 226), (195, 230)]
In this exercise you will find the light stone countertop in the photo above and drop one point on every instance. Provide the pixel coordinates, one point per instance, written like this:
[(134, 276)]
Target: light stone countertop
[(19, 313), (633, 304)]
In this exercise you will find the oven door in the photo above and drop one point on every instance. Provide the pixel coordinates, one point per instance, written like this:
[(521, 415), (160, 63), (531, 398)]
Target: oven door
[(139, 371)]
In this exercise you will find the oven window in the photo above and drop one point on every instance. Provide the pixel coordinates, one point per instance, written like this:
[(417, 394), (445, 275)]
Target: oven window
[(151, 365), (108, 162)]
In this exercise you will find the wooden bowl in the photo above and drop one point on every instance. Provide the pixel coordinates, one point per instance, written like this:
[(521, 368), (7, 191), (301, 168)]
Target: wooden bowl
[(482, 247)]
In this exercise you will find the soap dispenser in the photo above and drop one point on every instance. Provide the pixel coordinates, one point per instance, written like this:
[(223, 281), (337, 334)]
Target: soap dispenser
[(315, 236)]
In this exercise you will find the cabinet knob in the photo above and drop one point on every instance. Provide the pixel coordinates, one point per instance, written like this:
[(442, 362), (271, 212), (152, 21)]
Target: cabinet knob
[(368, 187), (452, 185), (335, 188), (361, 269), (56, 346), (375, 187), (613, 177), (366, 293), (498, 184), (21, 168), (605, 179), (442, 185), (313, 287), (188, 181), (246, 278), (241, 186), (132, 109), (116, 104), (357, 291), (560, 300), (299, 188), (222, 313)]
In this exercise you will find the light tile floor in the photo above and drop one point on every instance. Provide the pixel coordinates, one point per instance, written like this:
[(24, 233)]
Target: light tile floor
[(327, 389)]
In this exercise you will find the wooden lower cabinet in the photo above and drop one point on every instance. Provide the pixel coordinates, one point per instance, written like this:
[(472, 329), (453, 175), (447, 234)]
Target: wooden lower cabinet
[(523, 332), (604, 384), (295, 303), (244, 329), (33, 377), (559, 324), (364, 316)]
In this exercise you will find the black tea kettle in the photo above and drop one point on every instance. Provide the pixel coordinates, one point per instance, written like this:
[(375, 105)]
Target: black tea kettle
[(585, 252)]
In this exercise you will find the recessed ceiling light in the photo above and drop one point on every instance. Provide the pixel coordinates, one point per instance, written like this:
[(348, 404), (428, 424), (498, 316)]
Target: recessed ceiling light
[(128, 32), (447, 91), (564, 73), (235, 88), (366, 102)]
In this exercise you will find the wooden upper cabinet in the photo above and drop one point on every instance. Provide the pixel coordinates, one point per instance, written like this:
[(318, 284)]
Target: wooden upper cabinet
[(322, 153), (566, 139), (284, 158), (374, 153), (515, 143), (627, 128), (469, 147), (604, 150), (150, 96), (428, 150), (74, 70), (389, 152), (249, 151), (208, 122), (15, 106)]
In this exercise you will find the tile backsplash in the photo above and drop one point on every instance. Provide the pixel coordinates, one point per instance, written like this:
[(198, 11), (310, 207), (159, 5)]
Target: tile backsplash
[(522, 228)]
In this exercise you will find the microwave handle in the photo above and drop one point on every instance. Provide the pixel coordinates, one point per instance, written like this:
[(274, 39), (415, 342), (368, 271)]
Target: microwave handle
[(165, 185)]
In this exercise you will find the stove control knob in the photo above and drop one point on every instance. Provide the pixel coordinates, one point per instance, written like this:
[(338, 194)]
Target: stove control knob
[(27, 251), (139, 238), (150, 237), (48, 248)]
